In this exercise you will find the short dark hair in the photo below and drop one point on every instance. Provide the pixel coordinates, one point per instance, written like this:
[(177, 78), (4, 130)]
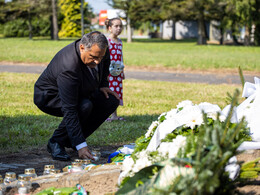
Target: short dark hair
[(92, 38)]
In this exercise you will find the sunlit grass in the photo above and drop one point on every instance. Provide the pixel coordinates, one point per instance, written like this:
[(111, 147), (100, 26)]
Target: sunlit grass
[(143, 53), (24, 126)]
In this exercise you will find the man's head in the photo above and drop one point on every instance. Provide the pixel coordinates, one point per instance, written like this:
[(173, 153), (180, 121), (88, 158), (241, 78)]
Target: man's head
[(93, 48)]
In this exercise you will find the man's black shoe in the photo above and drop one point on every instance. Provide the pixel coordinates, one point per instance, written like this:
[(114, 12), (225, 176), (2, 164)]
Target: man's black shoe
[(57, 152)]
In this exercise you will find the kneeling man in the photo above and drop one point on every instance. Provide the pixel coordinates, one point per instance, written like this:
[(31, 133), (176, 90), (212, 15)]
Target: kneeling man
[(74, 86)]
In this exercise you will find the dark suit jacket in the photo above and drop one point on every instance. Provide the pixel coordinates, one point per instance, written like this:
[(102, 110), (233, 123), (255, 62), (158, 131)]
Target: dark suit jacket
[(63, 84)]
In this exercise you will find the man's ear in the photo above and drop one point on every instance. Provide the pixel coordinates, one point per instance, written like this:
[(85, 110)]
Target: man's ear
[(81, 48)]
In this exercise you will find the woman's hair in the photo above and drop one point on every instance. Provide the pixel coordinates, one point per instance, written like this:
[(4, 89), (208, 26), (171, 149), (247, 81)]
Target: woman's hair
[(109, 22)]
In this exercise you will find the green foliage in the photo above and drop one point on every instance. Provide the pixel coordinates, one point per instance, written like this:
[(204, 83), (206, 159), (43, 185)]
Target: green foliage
[(231, 14), (141, 143), (242, 78), (61, 191), (26, 11), (118, 158), (215, 143), (250, 169), (41, 26), (71, 24), (17, 28)]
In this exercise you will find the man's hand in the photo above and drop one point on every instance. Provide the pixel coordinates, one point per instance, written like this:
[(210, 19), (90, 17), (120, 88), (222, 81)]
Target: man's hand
[(85, 153), (106, 91)]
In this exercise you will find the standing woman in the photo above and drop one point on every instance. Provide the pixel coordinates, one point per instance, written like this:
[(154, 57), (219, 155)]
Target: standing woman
[(116, 69)]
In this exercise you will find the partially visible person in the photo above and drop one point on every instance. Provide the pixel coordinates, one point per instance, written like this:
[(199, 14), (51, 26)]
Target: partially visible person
[(74, 86), (116, 69)]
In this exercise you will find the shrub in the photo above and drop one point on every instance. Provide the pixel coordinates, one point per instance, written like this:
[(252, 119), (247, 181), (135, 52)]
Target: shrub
[(15, 28)]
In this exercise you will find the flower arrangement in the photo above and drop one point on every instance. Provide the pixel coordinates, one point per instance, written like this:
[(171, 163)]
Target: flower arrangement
[(187, 146)]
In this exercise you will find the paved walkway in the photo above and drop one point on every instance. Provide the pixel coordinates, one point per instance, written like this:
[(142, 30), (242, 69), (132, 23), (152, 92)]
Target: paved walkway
[(144, 75)]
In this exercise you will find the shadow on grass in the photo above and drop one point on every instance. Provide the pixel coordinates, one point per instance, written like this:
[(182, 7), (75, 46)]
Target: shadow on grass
[(31, 131)]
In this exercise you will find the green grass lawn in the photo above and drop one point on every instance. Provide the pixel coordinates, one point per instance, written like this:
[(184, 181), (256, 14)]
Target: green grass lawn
[(24, 126), (143, 53)]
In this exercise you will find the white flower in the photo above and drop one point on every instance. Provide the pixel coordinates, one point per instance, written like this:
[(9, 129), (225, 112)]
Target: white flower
[(190, 116), (171, 114), (150, 129), (142, 161), (169, 173), (222, 118), (180, 141), (171, 148), (165, 147), (211, 110), (184, 103), (128, 164)]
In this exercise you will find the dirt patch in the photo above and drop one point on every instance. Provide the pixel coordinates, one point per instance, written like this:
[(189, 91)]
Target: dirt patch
[(96, 183), (18, 162)]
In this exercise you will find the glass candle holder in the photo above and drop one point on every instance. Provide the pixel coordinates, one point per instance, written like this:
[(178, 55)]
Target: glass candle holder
[(96, 155), (24, 181), (80, 161), (2, 186), (85, 163), (76, 167), (30, 172), (54, 171), (47, 169), (9, 177)]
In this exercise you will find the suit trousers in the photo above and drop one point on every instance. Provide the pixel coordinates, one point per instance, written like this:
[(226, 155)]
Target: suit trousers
[(92, 113)]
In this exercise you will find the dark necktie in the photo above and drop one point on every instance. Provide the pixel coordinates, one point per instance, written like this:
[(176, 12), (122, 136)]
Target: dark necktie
[(95, 74)]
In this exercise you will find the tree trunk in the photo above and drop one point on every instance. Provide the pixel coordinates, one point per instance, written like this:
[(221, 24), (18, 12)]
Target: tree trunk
[(173, 30), (247, 37), (30, 24), (257, 33), (221, 36), (54, 21), (202, 40), (205, 29), (129, 31), (257, 23), (82, 17), (233, 33)]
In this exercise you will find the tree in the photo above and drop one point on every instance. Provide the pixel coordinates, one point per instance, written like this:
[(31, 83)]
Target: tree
[(158, 11), (197, 10), (2, 13), (125, 6), (82, 16), (240, 14), (25, 11), (54, 20), (256, 19), (146, 10), (71, 11)]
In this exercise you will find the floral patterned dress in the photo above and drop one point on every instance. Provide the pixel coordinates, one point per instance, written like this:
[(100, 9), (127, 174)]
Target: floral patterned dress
[(116, 75)]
